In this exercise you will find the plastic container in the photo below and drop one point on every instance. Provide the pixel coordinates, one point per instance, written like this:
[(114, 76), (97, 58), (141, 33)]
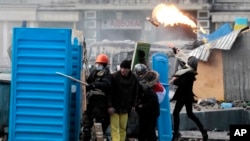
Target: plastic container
[(225, 105)]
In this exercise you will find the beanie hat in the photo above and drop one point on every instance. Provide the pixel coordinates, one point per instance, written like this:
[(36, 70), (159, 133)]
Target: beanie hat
[(140, 69), (126, 64)]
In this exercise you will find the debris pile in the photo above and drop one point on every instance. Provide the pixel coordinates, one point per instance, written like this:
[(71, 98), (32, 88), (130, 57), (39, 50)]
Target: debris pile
[(213, 103)]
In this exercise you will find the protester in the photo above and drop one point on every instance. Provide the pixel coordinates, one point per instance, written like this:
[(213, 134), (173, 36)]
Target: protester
[(122, 100), (143, 71), (99, 85), (184, 96), (148, 107)]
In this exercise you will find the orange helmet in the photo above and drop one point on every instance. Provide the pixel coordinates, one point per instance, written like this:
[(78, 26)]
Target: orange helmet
[(102, 58)]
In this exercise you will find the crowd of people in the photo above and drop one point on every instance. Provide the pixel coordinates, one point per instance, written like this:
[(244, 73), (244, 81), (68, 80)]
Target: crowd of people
[(113, 97)]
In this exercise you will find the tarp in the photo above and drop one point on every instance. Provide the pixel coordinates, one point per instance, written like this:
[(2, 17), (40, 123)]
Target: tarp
[(223, 43), (221, 31)]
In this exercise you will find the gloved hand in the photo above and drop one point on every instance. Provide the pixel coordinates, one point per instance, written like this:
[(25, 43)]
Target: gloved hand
[(175, 50), (90, 87)]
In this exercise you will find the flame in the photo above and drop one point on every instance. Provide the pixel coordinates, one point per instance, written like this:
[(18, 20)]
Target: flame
[(170, 15), (202, 30)]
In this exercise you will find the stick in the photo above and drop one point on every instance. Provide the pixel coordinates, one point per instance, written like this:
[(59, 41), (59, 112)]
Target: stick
[(84, 75), (72, 78), (84, 100)]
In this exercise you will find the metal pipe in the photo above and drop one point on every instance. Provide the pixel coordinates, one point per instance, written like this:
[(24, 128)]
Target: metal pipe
[(72, 78)]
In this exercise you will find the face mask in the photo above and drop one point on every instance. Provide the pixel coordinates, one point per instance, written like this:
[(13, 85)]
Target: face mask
[(98, 66)]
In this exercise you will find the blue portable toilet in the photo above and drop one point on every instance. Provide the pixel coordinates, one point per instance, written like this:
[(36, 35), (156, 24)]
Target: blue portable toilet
[(40, 97), (160, 64)]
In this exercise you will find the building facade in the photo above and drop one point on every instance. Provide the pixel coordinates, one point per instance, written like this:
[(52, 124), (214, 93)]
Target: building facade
[(111, 19)]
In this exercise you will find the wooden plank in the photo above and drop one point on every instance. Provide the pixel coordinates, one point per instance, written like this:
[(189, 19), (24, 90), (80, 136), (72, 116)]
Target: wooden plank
[(209, 81), (84, 93)]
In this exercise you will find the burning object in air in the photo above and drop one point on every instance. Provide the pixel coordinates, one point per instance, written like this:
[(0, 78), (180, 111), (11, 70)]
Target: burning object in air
[(169, 15), (153, 22)]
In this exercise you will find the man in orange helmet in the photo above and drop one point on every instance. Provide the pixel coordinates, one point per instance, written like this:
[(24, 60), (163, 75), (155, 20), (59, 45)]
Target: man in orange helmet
[(99, 87)]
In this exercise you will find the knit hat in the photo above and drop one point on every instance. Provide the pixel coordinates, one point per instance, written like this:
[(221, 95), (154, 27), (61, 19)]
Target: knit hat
[(126, 64), (140, 69)]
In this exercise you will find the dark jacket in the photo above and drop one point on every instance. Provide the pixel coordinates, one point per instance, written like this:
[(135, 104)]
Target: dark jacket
[(149, 101), (101, 79), (97, 104), (124, 92), (184, 85)]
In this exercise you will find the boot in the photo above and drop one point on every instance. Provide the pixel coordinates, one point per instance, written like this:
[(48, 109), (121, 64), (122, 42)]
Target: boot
[(204, 135), (176, 136)]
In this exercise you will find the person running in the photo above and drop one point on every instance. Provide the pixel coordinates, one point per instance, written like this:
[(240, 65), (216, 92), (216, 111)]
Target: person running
[(184, 96)]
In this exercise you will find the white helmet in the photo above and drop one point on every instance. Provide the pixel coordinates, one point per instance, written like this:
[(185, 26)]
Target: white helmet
[(140, 69)]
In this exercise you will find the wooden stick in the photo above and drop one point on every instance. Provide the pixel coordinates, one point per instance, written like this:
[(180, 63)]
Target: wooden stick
[(72, 78), (84, 93)]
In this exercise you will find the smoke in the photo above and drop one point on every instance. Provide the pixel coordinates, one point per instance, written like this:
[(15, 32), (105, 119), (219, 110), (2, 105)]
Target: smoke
[(121, 35), (177, 32)]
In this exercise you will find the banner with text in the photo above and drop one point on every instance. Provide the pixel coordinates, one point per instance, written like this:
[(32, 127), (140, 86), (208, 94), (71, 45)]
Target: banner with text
[(121, 24)]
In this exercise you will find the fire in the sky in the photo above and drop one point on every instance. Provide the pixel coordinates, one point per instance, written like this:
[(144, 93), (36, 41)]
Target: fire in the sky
[(170, 15)]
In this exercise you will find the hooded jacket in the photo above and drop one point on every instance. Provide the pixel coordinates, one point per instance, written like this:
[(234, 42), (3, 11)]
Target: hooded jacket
[(151, 79), (149, 102)]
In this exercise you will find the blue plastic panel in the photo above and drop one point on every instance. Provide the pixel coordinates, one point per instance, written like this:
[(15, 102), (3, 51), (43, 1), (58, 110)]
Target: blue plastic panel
[(39, 96), (4, 104), (75, 96), (160, 64)]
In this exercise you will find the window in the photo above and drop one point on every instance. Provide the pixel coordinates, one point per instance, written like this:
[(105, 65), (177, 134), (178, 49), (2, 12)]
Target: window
[(90, 24), (203, 14), (90, 14), (203, 23)]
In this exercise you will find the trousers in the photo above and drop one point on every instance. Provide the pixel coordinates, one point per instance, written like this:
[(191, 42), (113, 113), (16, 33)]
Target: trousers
[(118, 124)]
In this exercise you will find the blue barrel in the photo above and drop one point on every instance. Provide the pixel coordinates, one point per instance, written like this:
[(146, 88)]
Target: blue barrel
[(160, 64)]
